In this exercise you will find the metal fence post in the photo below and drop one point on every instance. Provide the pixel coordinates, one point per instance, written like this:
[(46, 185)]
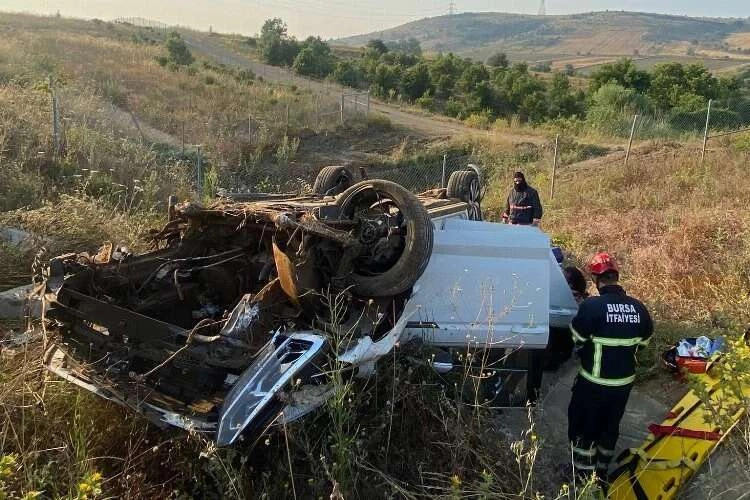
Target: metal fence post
[(705, 131), (286, 127), (199, 175), (342, 108), (630, 142), (442, 178), (55, 121), (317, 112), (554, 169)]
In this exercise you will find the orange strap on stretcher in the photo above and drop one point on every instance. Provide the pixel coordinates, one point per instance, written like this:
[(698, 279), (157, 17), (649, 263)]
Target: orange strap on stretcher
[(673, 430)]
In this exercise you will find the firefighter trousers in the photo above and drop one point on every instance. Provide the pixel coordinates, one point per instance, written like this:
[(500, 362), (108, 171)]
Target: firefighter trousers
[(594, 418)]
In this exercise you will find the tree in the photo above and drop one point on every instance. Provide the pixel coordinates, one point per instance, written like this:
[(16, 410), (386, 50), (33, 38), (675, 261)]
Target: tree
[(562, 100), (533, 108), (484, 98), (385, 79), (409, 46), (314, 59), (376, 47), (348, 73), (516, 84), (471, 77), (415, 82), (178, 50), (612, 108), (276, 46), (498, 60), (622, 72), (671, 81)]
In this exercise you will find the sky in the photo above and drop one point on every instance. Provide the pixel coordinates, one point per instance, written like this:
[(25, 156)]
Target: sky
[(336, 18)]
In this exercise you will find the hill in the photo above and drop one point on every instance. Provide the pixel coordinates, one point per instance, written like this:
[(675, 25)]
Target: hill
[(591, 34), (129, 114)]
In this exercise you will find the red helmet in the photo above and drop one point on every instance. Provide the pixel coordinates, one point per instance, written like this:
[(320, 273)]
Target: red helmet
[(602, 262)]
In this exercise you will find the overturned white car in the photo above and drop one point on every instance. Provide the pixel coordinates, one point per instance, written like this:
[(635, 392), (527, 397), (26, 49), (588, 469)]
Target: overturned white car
[(231, 322)]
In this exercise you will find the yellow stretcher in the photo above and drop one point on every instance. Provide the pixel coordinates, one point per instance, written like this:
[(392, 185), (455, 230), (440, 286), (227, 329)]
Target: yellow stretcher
[(675, 449)]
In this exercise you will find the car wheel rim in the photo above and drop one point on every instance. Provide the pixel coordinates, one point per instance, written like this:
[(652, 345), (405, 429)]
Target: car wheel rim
[(383, 231)]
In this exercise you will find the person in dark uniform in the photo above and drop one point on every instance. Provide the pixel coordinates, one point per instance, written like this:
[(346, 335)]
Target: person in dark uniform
[(577, 283), (523, 205), (609, 329)]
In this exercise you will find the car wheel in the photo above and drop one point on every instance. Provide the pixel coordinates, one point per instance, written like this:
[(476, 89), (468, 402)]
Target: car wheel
[(395, 232), (465, 185), (333, 180)]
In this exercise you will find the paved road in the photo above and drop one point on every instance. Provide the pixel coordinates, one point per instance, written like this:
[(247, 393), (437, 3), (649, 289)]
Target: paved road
[(427, 125)]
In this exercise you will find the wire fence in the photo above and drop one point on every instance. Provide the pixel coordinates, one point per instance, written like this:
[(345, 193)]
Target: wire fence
[(429, 174), (278, 170)]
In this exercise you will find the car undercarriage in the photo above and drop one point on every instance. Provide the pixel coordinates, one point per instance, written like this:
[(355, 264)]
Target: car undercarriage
[(235, 285)]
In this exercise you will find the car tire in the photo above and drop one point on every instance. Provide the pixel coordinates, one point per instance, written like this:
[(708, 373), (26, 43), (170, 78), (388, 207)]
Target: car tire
[(465, 185), (418, 239), (333, 180)]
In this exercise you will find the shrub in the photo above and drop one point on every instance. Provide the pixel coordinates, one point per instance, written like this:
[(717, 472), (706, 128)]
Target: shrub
[(426, 102), (379, 121), (454, 108), (481, 120), (612, 109), (178, 50), (498, 60), (542, 67), (287, 151), (245, 76), (742, 143)]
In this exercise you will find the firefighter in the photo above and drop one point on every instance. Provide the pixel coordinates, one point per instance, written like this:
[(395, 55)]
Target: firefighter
[(523, 205), (608, 329)]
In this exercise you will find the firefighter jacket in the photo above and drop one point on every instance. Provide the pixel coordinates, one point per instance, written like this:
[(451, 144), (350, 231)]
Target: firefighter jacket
[(610, 328), (522, 207)]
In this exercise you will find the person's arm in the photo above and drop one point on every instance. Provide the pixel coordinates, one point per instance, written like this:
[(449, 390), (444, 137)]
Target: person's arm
[(580, 327), (537, 210), (647, 325), (506, 214)]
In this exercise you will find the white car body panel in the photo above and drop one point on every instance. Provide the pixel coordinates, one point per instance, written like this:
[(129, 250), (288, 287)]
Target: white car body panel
[(490, 285)]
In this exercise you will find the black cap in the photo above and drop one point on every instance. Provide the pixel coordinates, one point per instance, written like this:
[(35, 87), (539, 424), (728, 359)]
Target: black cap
[(519, 175)]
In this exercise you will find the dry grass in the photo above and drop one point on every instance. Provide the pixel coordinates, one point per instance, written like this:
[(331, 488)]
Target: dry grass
[(679, 228), (210, 104), (739, 40)]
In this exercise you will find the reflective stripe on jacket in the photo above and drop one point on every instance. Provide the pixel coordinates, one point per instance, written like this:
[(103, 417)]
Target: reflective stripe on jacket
[(610, 328)]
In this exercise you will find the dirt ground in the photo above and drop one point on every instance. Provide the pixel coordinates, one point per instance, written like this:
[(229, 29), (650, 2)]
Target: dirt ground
[(426, 125), (649, 402)]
